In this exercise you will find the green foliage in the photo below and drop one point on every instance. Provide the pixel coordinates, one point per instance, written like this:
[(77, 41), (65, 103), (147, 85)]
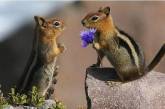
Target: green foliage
[(36, 99), (17, 98), (3, 101), (59, 105), (32, 99)]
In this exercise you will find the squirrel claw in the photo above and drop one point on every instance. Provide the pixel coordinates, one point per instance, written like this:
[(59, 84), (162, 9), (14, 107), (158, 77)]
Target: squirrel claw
[(62, 47), (97, 46), (95, 65)]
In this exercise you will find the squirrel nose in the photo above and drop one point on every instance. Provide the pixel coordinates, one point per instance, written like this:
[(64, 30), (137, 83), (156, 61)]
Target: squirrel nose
[(82, 22)]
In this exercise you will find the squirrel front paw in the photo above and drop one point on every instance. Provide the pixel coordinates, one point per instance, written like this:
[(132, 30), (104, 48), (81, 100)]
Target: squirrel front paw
[(61, 47), (95, 65), (97, 46)]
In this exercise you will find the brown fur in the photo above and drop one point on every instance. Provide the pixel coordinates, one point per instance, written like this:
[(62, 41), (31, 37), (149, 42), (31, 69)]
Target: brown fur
[(104, 25), (42, 61), (121, 50), (48, 35)]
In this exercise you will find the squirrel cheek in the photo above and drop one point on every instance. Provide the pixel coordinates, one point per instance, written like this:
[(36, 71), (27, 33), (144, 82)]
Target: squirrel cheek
[(97, 46)]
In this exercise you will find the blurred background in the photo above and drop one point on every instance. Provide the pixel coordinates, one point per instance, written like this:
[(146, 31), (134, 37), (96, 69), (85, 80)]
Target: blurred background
[(145, 21)]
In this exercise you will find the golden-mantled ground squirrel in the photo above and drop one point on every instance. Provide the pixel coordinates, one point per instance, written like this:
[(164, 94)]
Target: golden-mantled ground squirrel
[(41, 64), (121, 50)]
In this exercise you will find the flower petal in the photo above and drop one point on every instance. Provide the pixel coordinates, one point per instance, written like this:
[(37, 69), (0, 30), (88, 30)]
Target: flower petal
[(87, 36)]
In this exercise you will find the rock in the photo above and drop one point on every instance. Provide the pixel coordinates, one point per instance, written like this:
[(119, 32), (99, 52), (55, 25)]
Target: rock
[(47, 105), (147, 92)]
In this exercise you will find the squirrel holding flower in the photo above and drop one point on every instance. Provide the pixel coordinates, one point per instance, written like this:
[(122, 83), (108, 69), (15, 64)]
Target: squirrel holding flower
[(122, 51)]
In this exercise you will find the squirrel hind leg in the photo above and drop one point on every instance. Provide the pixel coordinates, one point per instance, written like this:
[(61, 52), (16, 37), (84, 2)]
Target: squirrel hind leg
[(129, 74)]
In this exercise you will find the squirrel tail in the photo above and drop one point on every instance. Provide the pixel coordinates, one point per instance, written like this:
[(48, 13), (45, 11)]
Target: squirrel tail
[(156, 59)]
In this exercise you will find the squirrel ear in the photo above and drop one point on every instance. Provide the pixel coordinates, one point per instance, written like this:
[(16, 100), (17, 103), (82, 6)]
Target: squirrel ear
[(105, 10), (39, 20)]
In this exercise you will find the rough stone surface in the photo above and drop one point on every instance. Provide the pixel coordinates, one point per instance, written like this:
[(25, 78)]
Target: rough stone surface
[(147, 92), (47, 105)]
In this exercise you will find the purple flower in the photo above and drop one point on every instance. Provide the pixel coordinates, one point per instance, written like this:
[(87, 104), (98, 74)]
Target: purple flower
[(87, 36)]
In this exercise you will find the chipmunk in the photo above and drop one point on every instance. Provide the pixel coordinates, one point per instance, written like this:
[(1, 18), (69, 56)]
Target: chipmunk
[(41, 63), (122, 51)]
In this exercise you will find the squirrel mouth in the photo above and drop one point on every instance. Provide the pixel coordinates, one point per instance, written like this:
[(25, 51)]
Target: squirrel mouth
[(91, 28)]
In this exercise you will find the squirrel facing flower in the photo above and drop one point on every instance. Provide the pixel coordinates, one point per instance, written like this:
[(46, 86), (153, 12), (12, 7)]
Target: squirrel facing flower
[(121, 50), (41, 64)]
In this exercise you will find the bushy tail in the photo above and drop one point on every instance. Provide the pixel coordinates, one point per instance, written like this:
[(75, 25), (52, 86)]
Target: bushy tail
[(156, 59)]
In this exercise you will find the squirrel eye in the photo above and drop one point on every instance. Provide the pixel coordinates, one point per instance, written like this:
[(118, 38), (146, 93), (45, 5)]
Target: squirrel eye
[(57, 24), (94, 18)]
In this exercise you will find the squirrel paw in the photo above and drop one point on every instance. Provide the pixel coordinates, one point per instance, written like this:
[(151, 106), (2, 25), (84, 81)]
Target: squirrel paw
[(97, 46), (49, 93), (54, 81), (95, 65), (57, 67), (62, 47)]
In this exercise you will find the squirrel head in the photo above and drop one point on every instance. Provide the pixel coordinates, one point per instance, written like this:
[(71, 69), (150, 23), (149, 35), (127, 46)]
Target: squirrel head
[(100, 20), (49, 27)]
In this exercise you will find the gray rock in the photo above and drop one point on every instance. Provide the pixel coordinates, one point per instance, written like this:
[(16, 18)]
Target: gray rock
[(147, 92), (48, 104)]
